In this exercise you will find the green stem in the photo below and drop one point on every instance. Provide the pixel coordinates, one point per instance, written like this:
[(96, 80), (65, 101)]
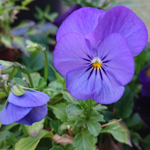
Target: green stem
[(46, 65), (29, 77), (89, 109), (24, 130), (13, 73)]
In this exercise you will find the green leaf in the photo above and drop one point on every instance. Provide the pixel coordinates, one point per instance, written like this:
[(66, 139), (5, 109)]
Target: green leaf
[(57, 148), (99, 107), (60, 111), (55, 125), (119, 132), (84, 141), (59, 78), (94, 127), (7, 139), (69, 98), (19, 81), (124, 107), (98, 117), (74, 110), (134, 120), (39, 83), (31, 143), (17, 90), (68, 147), (35, 128)]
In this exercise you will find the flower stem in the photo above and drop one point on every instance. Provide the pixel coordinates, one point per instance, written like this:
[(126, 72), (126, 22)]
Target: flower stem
[(46, 65), (29, 77), (24, 130), (89, 109), (13, 73)]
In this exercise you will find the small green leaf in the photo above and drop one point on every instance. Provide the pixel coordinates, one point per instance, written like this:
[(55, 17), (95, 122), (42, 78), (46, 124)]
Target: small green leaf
[(84, 141), (60, 111), (59, 78), (17, 90), (98, 117), (119, 132), (74, 110), (69, 98), (35, 128), (94, 127), (99, 107), (30, 143)]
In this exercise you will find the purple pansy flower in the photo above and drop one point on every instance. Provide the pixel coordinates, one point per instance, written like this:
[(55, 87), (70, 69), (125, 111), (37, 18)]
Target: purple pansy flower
[(144, 77), (26, 109), (98, 65), (96, 24)]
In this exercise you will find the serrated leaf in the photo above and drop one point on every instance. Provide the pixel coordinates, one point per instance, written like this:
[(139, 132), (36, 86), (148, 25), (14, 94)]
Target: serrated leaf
[(69, 98), (84, 141), (60, 111), (98, 117), (31, 143), (119, 132), (94, 127), (65, 124), (35, 128), (99, 107), (74, 110)]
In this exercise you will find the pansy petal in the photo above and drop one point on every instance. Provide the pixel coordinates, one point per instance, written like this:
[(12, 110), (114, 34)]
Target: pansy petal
[(83, 21), (12, 113), (72, 51), (124, 21), (81, 82), (116, 57), (35, 115), (31, 98), (110, 92)]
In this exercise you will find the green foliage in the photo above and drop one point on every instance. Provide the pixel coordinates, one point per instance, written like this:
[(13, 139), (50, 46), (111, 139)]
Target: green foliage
[(125, 103), (60, 111), (45, 15), (80, 141), (31, 143), (119, 132)]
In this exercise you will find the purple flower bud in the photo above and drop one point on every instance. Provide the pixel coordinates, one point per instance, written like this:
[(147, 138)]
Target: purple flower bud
[(26, 109), (144, 77), (58, 21), (2, 67)]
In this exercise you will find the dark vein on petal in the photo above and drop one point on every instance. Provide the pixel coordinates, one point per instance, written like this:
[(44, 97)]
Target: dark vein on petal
[(106, 61), (90, 73), (88, 68), (104, 57), (89, 57), (85, 59), (104, 70), (100, 74)]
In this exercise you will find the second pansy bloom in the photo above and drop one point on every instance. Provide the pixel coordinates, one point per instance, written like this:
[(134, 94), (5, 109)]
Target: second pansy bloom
[(25, 109), (95, 52)]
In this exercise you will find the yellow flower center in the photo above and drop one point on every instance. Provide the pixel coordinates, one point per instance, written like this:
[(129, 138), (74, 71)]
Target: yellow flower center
[(97, 65), (148, 72)]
